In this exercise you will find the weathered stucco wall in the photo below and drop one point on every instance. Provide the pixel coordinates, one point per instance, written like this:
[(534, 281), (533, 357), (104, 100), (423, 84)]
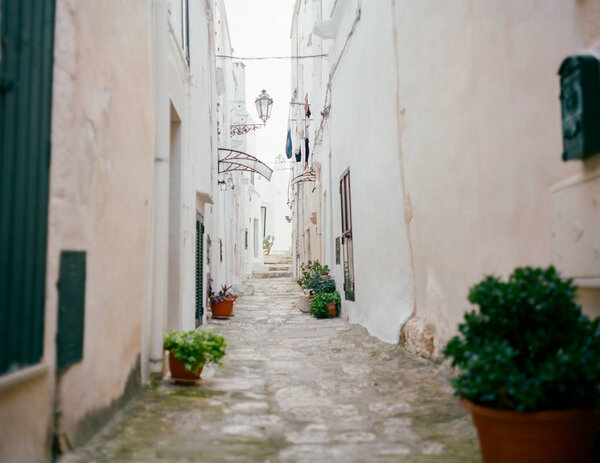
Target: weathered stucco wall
[(448, 117), (480, 141), (99, 196), (362, 128), (101, 160)]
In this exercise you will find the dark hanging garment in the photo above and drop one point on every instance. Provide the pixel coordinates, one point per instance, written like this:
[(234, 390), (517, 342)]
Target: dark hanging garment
[(288, 145), (307, 112), (298, 156), (306, 150)]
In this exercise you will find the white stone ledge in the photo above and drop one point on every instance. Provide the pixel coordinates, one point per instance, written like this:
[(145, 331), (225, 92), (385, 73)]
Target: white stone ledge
[(15, 378)]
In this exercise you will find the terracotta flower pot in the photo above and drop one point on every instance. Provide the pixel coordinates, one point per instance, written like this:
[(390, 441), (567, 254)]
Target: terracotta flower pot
[(222, 309), (557, 436), (332, 309), (179, 373)]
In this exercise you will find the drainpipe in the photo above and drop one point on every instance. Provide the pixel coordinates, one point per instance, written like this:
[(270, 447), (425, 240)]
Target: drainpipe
[(161, 189)]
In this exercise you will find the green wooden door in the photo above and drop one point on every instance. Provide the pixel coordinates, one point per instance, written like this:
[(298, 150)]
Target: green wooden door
[(26, 57), (199, 270)]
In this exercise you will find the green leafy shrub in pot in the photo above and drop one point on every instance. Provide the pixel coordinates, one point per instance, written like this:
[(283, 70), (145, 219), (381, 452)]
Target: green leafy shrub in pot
[(312, 272), (325, 284), (529, 347), (195, 348), (318, 305)]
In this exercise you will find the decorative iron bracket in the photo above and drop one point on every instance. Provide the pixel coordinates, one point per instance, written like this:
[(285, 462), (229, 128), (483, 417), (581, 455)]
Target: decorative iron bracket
[(308, 176), (243, 129), (234, 160)]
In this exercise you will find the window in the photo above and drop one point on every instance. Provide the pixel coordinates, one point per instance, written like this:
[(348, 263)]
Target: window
[(346, 205), (246, 238), (179, 18)]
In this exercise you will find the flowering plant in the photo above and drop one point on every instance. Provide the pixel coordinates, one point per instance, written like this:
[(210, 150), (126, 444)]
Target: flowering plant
[(223, 295)]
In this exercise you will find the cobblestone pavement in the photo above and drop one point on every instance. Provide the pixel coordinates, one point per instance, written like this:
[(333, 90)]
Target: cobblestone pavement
[(294, 389)]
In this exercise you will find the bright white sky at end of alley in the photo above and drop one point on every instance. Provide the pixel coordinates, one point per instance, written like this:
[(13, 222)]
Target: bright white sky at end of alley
[(262, 28)]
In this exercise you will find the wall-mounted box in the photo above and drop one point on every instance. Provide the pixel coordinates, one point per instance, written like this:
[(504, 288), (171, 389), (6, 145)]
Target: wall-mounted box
[(580, 101), (575, 206)]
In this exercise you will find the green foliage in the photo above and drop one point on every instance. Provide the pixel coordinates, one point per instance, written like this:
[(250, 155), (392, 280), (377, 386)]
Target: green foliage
[(318, 304), (312, 273), (195, 348), (529, 347), (268, 244), (324, 284)]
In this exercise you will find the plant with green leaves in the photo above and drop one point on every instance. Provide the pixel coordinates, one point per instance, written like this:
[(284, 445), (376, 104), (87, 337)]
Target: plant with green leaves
[(195, 348), (268, 244), (324, 284), (312, 273), (318, 304), (529, 347)]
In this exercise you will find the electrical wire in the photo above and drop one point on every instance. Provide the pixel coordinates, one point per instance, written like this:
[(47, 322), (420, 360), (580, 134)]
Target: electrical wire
[(247, 58)]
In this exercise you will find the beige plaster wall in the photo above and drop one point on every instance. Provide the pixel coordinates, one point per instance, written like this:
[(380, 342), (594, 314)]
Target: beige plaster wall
[(25, 420), (480, 139), (101, 173)]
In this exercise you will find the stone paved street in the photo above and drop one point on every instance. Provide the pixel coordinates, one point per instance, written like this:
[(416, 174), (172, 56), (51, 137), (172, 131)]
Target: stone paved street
[(294, 389)]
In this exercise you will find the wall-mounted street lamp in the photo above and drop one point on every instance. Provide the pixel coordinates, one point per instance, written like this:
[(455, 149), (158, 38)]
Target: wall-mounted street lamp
[(264, 105), (222, 185)]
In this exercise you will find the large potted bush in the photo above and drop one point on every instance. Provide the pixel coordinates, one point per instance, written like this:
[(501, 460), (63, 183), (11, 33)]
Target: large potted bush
[(529, 364), (221, 303), (312, 273), (189, 351)]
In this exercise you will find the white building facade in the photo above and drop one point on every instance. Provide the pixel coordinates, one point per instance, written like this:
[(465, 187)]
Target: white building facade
[(438, 155)]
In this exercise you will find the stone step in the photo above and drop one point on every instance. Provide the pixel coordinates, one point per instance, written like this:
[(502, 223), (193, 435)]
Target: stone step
[(272, 275), (278, 259), (279, 268)]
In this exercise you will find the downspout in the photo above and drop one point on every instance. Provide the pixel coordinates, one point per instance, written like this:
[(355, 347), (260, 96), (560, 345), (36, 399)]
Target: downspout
[(161, 187)]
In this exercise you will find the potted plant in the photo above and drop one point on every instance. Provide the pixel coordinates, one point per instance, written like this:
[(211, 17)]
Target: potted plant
[(312, 274), (325, 284), (529, 364), (189, 351), (221, 303), (324, 305)]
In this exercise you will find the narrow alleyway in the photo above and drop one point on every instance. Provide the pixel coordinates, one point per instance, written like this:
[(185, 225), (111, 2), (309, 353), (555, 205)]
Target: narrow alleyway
[(294, 388)]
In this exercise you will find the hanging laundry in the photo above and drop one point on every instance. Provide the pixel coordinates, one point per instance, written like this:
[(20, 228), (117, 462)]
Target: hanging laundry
[(288, 144), (306, 151)]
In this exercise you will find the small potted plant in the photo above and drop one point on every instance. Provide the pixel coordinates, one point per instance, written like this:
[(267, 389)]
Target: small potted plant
[(529, 364), (221, 303), (324, 305), (189, 351)]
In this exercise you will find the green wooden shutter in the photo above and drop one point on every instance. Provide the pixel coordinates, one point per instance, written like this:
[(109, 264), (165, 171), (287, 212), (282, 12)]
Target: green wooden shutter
[(199, 271), (71, 308), (26, 58)]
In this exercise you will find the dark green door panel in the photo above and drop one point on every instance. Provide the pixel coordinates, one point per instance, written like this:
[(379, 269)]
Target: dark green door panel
[(26, 58), (199, 271), (71, 309)]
